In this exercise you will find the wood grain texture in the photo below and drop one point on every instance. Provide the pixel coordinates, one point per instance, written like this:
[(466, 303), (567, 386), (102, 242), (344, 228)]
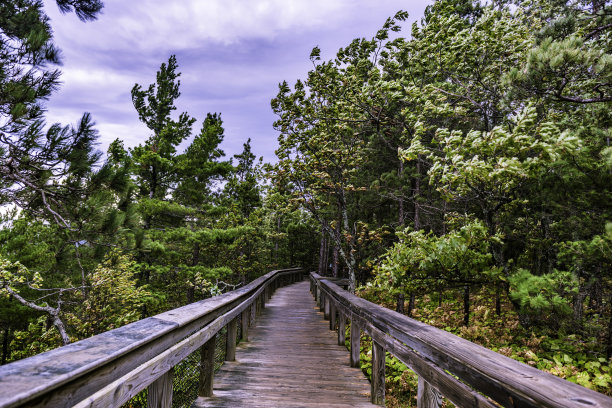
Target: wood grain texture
[(244, 323), (68, 375), (355, 344), (230, 343), (207, 368), (160, 392), (292, 360), (341, 329), (378, 374), (428, 396), (508, 382)]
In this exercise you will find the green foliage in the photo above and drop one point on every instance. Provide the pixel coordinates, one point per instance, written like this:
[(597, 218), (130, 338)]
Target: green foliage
[(542, 299)]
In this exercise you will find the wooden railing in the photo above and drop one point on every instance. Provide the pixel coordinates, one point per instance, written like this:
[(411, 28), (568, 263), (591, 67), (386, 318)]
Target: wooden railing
[(448, 366), (108, 369)]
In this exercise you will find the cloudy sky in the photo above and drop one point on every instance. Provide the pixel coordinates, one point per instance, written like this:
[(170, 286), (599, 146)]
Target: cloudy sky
[(232, 54)]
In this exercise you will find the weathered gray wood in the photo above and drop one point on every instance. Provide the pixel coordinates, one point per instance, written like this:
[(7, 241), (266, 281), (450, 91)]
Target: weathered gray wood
[(207, 368), (341, 329), (355, 344), (160, 392), (253, 310), (230, 343), (378, 374), (428, 396), (291, 361), (326, 307), (332, 317), (507, 381), (244, 323), (68, 375)]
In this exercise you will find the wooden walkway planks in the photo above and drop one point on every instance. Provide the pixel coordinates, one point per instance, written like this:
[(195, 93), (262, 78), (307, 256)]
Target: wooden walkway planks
[(292, 359)]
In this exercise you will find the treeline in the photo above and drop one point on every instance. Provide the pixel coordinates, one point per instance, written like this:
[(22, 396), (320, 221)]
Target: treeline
[(90, 242), (473, 155)]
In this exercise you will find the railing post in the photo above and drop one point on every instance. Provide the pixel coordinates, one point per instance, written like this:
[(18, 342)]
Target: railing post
[(326, 309), (332, 316), (253, 309), (207, 368), (378, 374), (341, 329), (262, 300), (160, 391), (321, 301), (355, 344), (230, 344), (428, 396), (244, 322)]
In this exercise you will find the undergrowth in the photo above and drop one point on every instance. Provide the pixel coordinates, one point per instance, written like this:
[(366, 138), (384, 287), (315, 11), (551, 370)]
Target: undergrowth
[(579, 359)]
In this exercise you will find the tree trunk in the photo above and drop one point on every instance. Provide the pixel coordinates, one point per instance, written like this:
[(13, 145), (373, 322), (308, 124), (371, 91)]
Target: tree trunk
[(5, 345), (401, 216), (417, 193), (609, 342), (399, 308), (498, 290), (411, 303), (466, 305)]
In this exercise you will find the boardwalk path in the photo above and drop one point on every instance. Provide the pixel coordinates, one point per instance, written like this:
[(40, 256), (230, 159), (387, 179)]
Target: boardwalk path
[(292, 359)]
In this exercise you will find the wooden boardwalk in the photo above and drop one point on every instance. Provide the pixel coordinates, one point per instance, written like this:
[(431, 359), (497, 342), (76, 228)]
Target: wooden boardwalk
[(292, 359)]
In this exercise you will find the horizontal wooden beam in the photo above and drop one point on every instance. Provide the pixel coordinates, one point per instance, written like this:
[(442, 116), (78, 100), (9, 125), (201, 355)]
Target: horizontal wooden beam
[(432, 352)]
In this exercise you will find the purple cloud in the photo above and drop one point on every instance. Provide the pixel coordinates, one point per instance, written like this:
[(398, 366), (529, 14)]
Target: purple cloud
[(232, 54)]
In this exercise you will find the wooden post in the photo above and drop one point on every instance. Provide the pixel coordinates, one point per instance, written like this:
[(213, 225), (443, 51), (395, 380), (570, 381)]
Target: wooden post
[(230, 343), (355, 344), (332, 316), (428, 396), (378, 374), (253, 309), (322, 302), (341, 329), (262, 300), (326, 308), (207, 368), (160, 391), (244, 322)]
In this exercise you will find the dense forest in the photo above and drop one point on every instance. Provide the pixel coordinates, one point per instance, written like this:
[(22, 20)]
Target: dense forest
[(459, 173)]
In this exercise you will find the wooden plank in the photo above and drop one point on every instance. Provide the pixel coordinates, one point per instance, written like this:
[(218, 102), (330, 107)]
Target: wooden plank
[(507, 381), (341, 329), (160, 392), (67, 375), (428, 396), (207, 368), (355, 344), (244, 323), (230, 343), (378, 374), (332, 317), (292, 360)]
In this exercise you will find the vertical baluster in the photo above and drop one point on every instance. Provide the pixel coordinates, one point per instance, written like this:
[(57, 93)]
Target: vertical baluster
[(244, 321), (160, 391), (321, 302), (341, 329), (207, 368), (230, 344), (427, 395), (332, 316), (253, 310), (378, 374), (326, 308), (355, 344)]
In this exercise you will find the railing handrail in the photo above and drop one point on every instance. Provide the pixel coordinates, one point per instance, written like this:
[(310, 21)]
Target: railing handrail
[(68, 375), (433, 353)]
